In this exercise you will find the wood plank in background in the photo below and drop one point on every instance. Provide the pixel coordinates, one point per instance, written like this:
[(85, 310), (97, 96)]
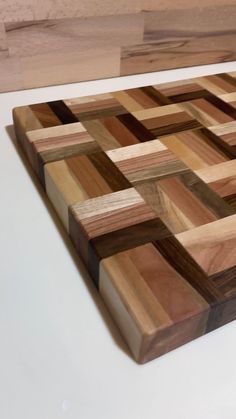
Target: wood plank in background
[(59, 42)]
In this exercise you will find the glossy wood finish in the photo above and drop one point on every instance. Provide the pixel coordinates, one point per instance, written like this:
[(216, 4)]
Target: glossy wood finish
[(55, 42), (144, 181)]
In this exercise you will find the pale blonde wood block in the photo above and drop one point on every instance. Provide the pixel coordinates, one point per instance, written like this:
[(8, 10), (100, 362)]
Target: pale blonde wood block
[(156, 112), (62, 189), (223, 129), (25, 120), (218, 171), (228, 97)]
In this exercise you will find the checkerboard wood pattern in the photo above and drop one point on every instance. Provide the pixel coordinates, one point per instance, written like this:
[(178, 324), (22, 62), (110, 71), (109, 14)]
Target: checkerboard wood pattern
[(144, 181)]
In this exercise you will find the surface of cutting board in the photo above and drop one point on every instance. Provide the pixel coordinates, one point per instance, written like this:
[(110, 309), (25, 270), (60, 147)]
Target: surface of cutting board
[(144, 181)]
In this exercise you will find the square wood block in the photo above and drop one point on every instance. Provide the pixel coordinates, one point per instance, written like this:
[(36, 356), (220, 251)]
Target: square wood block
[(144, 181)]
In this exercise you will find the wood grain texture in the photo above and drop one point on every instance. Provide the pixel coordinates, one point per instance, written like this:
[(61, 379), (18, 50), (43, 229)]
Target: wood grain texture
[(152, 215), (58, 41)]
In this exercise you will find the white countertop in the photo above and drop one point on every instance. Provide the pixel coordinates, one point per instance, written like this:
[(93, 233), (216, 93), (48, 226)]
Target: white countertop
[(61, 356)]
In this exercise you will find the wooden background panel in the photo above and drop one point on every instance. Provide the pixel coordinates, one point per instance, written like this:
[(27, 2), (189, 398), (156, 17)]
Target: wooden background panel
[(22, 10), (151, 5), (73, 34), (55, 43), (177, 38)]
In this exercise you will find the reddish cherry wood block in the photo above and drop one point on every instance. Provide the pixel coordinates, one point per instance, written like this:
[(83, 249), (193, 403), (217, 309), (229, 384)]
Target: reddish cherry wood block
[(144, 181)]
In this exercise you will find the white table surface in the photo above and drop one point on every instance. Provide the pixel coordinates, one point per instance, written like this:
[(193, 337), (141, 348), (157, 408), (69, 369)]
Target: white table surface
[(61, 356)]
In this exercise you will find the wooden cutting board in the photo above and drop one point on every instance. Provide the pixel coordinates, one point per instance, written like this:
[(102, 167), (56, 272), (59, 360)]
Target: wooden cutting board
[(144, 181)]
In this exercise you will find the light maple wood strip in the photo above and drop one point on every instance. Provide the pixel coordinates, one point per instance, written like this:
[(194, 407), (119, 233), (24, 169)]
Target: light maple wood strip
[(136, 150), (193, 150), (173, 87), (112, 202), (25, 120), (210, 86), (88, 102), (222, 129), (144, 114), (191, 159), (62, 189), (62, 141), (221, 178), (218, 171), (57, 131), (228, 97), (128, 101), (223, 82)]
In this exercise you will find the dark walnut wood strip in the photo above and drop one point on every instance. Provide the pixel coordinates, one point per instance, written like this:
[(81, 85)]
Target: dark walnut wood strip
[(63, 113), (140, 132)]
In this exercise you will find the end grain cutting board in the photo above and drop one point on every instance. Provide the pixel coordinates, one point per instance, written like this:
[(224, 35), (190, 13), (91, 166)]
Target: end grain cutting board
[(144, 181)]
